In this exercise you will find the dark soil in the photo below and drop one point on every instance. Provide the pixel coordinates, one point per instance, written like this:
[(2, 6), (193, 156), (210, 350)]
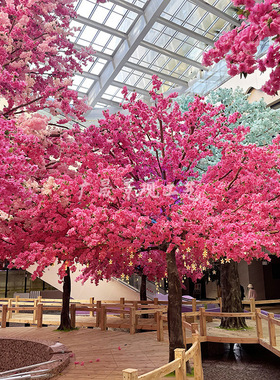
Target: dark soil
[(242, 362), (20, 353)]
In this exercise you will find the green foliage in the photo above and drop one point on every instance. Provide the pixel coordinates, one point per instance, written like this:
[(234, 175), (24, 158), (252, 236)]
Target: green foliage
[(172, 374), (263, 121)]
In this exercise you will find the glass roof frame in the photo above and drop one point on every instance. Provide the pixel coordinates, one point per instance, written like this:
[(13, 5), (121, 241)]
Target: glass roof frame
[(135, 39)]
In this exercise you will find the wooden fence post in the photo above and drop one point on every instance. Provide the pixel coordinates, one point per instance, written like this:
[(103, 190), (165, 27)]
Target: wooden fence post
[(194, 328), (91, 301), (194, 308), (17, 300), (122, 302), (135, 305), (198, 370), (10, 311), (156, 304), (160, 336), (252, 307), (39, 315), (35, 311), (103, 321), (4, 316), (202, 321), (98, 313), (259, 324), (271, 330), (132, 320), (184, 330), (181, 372), (73, 315), (130, 374)]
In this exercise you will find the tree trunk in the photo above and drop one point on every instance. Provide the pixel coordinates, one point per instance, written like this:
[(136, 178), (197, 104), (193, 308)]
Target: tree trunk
[(143, 288), (231, 296), (65, 323), (174, 305)]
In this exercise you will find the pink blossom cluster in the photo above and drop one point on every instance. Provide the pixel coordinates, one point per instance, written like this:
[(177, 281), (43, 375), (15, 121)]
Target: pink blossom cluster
[(94, 207), (37, 58), (239, 46)]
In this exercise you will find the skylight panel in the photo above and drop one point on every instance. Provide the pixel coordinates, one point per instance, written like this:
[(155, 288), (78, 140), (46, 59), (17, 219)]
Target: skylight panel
[(114, 42), (102, 38), (97, 67), (100, 14), (113, 20), (85, 8), (88, 33)]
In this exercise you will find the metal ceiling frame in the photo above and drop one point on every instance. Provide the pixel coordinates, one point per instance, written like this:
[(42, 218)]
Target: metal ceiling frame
[(121, 58)]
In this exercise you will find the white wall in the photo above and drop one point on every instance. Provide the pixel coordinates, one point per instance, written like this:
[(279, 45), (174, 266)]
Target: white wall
[(111, 290)]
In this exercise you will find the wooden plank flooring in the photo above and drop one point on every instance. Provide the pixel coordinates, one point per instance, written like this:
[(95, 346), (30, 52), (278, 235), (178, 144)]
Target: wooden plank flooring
[(110, 351)]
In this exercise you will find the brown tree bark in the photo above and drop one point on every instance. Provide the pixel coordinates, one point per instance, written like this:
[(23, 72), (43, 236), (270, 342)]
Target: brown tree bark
[(143, 288), (65, 322), (174, 305), (231, 296)]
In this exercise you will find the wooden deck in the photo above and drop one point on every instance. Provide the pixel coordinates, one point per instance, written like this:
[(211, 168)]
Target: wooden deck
[(110, 351)]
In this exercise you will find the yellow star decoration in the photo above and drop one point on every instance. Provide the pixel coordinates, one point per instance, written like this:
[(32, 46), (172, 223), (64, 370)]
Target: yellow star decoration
[(99, 272), (204, 253), (127, 277), (193, 266), (122, 276), (188, 249), (222, 261), (150, 260), (183, 256), (227, 260), (131, 255), (188, 267), (140, 255), (130, 263), (110, 261)]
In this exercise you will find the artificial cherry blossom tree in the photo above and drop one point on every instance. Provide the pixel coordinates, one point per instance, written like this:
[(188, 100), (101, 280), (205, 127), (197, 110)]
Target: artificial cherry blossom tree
[(166, 206), (38, 62), (264, 126), (261, 20)]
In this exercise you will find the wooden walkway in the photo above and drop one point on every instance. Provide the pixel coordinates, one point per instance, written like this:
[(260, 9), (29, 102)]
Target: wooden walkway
[(101, 355)]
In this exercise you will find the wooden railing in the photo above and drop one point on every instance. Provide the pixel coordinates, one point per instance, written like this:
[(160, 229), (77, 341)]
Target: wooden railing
[(178, 365)]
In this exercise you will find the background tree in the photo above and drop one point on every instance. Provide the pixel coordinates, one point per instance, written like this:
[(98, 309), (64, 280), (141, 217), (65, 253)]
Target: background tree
[(264, 126)]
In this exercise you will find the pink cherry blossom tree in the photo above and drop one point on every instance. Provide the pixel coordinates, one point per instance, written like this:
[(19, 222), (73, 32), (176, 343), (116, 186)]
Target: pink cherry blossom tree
[(38, 62), (239, 46), (166, 206)]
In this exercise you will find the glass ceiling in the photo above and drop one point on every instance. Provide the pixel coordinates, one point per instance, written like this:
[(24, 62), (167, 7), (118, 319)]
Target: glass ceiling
[(135, 39)]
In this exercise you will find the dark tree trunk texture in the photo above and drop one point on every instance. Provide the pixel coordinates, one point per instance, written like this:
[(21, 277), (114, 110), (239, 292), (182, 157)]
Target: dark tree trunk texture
[(65, 322), (174, 305), (231, 296), (143, 288)]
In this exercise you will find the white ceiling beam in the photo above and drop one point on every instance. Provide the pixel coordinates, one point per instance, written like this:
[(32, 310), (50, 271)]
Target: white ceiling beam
[(216, 12), (128, 6), (186, 31), (131, 88), (135, 36), (168, 78), (99, 26), (170, 54)]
